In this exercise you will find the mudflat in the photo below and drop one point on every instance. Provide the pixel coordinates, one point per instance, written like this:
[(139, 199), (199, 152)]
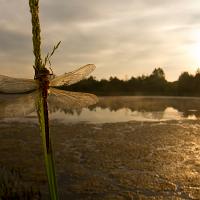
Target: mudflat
[(109, 161)]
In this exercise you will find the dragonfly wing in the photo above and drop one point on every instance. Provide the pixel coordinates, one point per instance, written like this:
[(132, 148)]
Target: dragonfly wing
[(17, 105), (73, 77), (67, 100), (16, 85)]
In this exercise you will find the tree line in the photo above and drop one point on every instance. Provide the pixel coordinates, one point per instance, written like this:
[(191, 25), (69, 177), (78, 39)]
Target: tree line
[(153, 84)]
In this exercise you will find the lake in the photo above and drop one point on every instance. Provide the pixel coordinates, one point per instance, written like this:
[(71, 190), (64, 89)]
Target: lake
[(107, 110), (121, 148), (124, 109)]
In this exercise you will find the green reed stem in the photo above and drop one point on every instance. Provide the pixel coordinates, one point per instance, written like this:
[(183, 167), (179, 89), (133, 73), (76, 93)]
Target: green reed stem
[(42, 106), (47, 145)]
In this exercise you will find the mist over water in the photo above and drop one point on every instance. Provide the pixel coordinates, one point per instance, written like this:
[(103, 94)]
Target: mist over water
[(107, 110), (123, 109)]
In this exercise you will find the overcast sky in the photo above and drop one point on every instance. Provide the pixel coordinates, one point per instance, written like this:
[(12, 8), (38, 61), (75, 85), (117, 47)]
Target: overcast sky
[(122, 38)]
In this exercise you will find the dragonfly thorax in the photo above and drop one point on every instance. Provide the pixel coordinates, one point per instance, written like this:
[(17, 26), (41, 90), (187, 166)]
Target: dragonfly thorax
[(43, 77)]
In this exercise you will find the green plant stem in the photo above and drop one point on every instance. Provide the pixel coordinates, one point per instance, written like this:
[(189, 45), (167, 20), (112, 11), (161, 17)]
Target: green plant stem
[(41, 102), (47, 146)]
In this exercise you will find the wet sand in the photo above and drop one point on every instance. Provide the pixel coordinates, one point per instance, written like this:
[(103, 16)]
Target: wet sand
[(113, 161)]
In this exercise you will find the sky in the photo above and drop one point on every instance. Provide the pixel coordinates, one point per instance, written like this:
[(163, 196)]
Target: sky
[(122, 38)]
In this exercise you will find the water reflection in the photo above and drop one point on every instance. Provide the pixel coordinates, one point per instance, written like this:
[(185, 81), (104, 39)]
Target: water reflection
[(17, 105), (108, 109), (22, 105), (116, 109), (119, 109)]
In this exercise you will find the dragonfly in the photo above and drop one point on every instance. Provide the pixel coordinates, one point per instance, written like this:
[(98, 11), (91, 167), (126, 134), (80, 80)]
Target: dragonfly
[(24, 104)]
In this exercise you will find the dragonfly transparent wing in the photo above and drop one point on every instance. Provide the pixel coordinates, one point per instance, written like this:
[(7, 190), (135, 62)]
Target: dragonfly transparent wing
[(66, 100), (16, 85), (72, 77), (17, 105)]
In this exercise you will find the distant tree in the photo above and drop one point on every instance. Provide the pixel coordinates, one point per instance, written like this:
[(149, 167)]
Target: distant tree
[(158, 73), (197, 82), (116, 85), (198, 71), (153, 84), (131, 85), (156, 82), (185, 84)]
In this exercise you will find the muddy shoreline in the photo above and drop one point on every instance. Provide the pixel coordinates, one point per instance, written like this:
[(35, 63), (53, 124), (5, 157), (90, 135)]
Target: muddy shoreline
[(111, 161)]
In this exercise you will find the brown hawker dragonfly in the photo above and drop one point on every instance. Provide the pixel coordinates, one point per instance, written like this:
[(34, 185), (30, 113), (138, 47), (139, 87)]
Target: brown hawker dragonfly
[(20, 105)]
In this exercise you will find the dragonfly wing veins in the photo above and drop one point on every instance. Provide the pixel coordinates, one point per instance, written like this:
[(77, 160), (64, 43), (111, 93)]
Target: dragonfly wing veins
[(16, 85), (70, 100), (72, 77)]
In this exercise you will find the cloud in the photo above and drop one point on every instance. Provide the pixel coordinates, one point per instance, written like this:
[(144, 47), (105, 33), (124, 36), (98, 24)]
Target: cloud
[(13, 42), (120, 37)]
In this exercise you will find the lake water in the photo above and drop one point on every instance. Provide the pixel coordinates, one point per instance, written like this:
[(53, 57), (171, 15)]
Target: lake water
[(107, 110), (150, 110)]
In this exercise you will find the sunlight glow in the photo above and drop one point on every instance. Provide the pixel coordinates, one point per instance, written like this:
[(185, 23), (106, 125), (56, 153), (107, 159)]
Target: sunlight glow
[(195, 48), (195, 51)]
